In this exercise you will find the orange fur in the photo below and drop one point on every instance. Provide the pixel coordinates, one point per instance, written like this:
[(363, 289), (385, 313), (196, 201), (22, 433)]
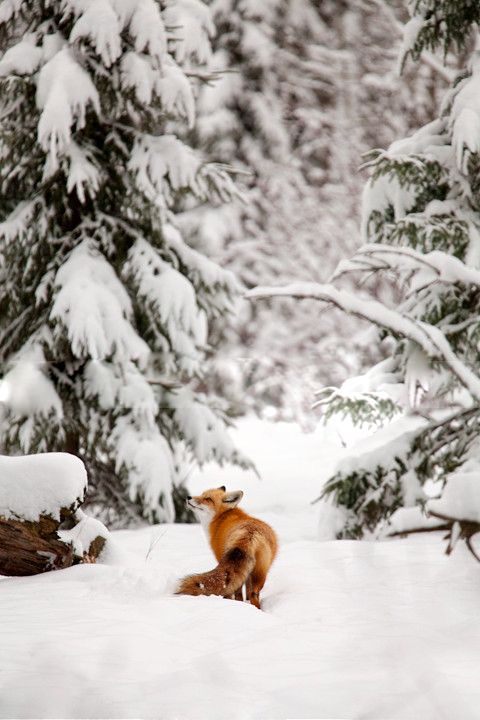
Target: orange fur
[(244, 547)]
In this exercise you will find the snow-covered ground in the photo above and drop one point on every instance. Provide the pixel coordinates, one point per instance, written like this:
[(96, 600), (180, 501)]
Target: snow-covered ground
[(349, 629)]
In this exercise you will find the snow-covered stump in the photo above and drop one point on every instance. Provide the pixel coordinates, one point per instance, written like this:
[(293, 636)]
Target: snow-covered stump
[(39, 496)]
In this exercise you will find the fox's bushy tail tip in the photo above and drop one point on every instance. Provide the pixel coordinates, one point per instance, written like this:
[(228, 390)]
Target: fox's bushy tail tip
[(229, 575)]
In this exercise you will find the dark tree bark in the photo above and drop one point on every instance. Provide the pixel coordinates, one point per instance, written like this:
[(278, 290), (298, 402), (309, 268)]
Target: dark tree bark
[(30, 548)]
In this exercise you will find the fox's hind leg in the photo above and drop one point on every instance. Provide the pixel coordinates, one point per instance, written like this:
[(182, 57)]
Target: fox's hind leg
[(248, 588), (257, 581), (239, 593)]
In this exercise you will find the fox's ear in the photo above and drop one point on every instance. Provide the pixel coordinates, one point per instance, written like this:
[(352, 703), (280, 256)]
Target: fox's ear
[(233, 498), (222, 487)]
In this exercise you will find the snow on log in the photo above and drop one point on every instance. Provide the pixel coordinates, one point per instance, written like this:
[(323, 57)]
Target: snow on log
[(38, 494), (87, 537), (44, 484)]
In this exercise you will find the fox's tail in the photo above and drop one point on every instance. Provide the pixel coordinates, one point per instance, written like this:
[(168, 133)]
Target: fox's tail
[(229, 575)]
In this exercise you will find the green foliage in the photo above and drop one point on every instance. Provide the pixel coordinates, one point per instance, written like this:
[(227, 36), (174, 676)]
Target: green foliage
[(366, 408), (367, 496), (370, 495), (438, 232), (427, 176), (441, 448), (447, 24)]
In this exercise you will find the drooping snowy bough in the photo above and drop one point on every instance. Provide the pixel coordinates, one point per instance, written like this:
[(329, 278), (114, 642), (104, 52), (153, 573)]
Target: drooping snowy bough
[(41, 525)]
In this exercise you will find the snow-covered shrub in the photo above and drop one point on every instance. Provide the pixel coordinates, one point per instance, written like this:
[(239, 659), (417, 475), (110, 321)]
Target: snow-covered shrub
[(421, 225), (104, 308)]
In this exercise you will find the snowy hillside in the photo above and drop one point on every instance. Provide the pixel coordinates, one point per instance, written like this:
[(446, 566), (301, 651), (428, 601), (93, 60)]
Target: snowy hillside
[(349, 629)]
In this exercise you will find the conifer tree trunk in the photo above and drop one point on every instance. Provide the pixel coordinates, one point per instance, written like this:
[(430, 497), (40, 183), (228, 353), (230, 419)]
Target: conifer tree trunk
[(72, 443)]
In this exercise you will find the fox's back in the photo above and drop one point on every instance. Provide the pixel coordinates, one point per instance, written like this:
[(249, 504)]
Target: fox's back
[(236, 528)]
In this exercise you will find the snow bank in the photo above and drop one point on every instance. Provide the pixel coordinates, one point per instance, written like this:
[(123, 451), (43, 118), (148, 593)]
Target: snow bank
[(349, 630), (34, 485)]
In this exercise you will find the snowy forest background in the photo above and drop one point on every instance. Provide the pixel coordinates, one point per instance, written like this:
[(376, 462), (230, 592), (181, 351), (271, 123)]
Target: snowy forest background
[(161, 159)]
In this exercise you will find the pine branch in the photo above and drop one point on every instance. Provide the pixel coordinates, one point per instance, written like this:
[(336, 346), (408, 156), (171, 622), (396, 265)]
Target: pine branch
[(426, 57), (444, 266)]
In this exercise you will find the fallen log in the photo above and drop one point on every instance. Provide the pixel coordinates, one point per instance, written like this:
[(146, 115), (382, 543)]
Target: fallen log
[(25, 551)]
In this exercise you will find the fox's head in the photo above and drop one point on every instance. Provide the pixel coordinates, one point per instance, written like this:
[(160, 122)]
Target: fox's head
[(213, 502)]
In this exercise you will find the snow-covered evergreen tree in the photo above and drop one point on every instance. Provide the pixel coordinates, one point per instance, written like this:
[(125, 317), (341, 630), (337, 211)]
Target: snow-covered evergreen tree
[(421, 225), (104, 308), (306, 88)]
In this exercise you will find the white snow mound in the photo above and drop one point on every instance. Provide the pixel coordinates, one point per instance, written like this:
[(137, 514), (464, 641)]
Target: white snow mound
[(83, 533), (34, 485)]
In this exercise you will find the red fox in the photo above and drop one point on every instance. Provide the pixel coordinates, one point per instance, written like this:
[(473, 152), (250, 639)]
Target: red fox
[(244, 547)]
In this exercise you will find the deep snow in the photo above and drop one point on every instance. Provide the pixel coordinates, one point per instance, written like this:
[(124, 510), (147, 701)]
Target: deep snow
[(349, 629)]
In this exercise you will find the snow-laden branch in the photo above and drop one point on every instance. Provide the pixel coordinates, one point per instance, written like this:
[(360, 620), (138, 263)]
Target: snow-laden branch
[(445, 267), (426, 57), (428, 337)]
